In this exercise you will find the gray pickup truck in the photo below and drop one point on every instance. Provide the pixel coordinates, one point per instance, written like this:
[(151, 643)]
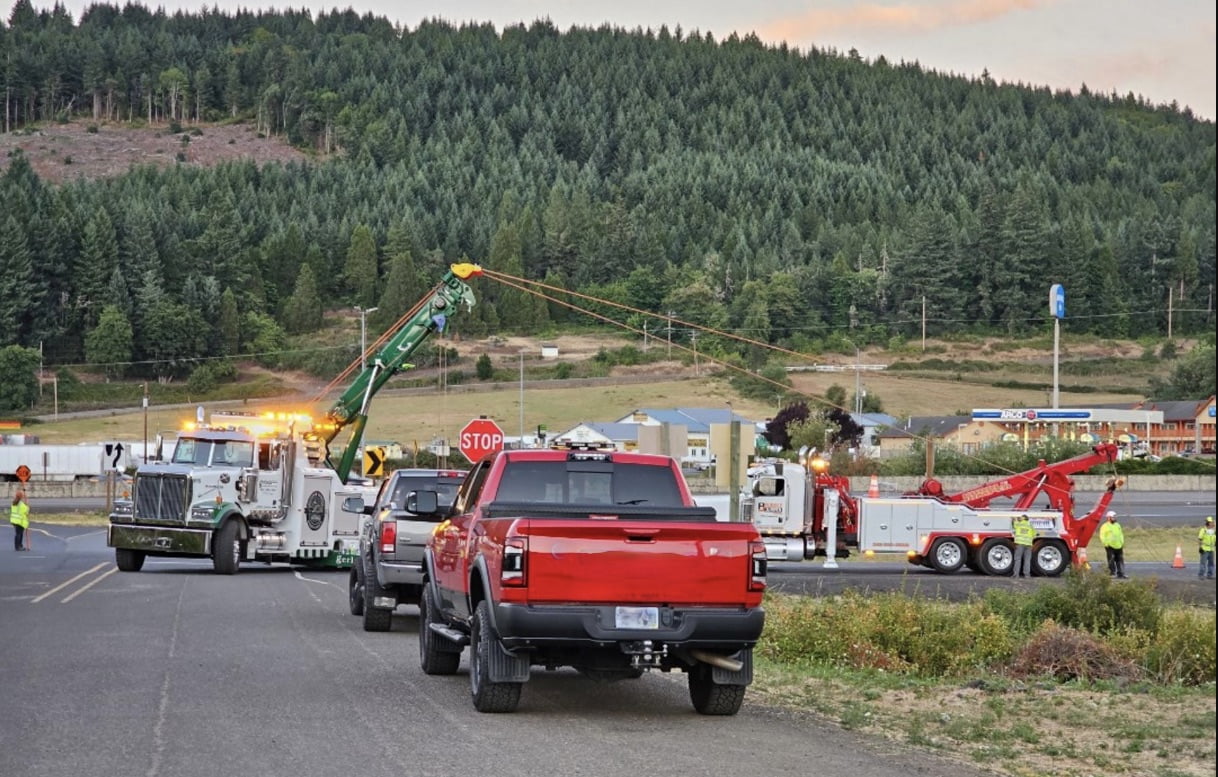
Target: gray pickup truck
[(389, 570)]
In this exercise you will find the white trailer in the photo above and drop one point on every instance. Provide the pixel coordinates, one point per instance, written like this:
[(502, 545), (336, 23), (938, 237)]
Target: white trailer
[(61, 463)]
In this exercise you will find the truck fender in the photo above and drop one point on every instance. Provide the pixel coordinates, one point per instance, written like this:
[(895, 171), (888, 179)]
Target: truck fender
[(226, 514)]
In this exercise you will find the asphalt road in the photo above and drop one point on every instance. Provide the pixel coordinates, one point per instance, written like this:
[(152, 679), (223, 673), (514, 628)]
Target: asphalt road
[(177, 672)]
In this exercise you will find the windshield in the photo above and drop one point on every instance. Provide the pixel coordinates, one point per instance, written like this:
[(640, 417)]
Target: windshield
[(560, 482), (221, 453)]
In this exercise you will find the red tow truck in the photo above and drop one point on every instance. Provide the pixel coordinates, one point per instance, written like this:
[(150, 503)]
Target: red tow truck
[(800, 510), (593, 559)]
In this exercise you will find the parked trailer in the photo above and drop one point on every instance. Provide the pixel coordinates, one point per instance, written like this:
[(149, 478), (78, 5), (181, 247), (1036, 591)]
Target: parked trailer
[(60, 463)]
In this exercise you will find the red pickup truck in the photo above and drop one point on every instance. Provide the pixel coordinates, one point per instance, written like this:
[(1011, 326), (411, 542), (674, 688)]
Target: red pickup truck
[(595, 560)]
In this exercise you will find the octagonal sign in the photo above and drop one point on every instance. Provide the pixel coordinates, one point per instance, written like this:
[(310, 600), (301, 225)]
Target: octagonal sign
[(480, 437)]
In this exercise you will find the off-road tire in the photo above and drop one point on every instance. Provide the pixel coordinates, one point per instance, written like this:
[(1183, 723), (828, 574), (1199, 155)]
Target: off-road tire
[(355, 589), (437, 655), (129, 560), (488, 696), (710, 698), (226, 550), (375, 618)]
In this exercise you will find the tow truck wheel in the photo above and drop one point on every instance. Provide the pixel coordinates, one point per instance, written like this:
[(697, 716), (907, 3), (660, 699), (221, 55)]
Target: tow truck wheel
[(375, 618), (1050, 558), (710, 698), (226, 553), (488, 696), (129, 560), (355, 588), (997, 557), (434, 658), (947, 554)]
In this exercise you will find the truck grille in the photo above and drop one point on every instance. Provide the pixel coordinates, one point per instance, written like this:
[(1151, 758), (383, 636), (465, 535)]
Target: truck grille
[(162, 497)]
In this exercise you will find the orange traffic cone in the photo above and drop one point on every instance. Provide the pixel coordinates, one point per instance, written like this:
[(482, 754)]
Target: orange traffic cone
[(874, 489), (1178, 561)]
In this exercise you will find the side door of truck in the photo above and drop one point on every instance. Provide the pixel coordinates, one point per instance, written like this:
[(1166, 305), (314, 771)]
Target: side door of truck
[(449, 555)]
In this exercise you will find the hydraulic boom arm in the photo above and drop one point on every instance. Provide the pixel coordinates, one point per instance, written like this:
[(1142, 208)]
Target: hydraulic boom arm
[(429, 316)]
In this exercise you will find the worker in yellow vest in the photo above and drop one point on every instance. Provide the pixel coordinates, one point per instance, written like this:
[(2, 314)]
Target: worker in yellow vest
[(1113, 537), (1205, 544), (1025, 535), (19, 517)]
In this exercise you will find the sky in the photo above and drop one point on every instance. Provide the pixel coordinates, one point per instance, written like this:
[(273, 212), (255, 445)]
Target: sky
[(1162, 50)]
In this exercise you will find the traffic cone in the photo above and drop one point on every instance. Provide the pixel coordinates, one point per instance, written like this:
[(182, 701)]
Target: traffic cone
[(873, 490), (1081, 562), (1178, 561)]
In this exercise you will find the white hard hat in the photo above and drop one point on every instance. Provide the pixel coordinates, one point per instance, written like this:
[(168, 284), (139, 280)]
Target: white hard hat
[(1111, 514)]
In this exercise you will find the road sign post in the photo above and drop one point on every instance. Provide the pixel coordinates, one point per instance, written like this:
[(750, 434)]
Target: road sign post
[(480, 437)]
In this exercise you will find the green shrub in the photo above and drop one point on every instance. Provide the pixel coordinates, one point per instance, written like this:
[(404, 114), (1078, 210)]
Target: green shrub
[(201, 381), (1088, 601), (1183, 649)]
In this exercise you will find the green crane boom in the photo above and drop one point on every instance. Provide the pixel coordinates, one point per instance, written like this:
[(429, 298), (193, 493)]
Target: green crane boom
[(429, 316)]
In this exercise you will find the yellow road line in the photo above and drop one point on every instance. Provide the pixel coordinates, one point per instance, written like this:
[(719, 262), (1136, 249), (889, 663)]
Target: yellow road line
[(90, 584), (61, 586)]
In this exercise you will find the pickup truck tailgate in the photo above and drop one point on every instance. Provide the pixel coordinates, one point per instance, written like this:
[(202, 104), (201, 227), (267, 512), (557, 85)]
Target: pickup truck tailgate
[(652, 562)]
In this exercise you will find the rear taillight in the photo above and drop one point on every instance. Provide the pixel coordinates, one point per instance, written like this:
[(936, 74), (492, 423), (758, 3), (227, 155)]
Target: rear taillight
[(758, 570), (389, 536), (514, 549)]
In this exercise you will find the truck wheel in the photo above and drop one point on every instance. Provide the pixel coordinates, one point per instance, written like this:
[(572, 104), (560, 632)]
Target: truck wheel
[(997, 557), (129, 560), (710, 698), (1050, 558), (488, 696), (433, 657), (226, 551), (375, 618), (355, 589), (947, 554)]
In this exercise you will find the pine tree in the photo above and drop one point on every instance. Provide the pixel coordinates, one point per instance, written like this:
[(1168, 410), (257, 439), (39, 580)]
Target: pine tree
[(360, 271), (303, 311)]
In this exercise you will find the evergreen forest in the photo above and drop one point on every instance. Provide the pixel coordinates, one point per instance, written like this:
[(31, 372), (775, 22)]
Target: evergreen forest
[(796, 197)]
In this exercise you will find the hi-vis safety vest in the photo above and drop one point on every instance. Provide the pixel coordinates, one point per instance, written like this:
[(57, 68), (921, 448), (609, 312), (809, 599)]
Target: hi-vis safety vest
[(19, 515), (1024, 532), (1112, 535), (1206, 538)]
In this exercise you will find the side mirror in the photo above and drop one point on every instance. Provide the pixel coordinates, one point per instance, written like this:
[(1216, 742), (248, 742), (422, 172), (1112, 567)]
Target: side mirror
[(422, 502), (355, 504)]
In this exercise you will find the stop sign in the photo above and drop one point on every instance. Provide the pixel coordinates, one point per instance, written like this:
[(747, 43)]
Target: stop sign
[(480, 437)]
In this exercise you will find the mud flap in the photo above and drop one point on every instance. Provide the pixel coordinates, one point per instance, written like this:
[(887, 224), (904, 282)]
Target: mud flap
[(742, 677), (507, 668)]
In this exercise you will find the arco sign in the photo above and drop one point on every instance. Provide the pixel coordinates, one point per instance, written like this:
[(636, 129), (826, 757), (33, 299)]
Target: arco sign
[(480, 437)]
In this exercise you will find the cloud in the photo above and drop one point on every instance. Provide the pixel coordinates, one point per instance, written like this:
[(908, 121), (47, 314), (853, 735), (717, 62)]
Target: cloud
[(906, 17)]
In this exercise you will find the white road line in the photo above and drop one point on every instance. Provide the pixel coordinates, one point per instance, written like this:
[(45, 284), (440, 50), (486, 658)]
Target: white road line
[(68, 583), (91, 583)]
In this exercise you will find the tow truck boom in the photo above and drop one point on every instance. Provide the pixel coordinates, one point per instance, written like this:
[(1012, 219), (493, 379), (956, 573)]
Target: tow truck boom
[(427, 317)]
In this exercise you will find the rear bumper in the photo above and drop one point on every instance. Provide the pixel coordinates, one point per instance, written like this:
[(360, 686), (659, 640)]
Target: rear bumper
[(160, 539), (522, 626), (400, 572)]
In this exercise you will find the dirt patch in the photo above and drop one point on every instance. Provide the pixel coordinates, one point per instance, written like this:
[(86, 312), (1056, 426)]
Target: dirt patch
[(65, 152)]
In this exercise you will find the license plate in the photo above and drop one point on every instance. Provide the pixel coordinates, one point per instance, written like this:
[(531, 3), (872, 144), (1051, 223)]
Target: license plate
[(637, 617)]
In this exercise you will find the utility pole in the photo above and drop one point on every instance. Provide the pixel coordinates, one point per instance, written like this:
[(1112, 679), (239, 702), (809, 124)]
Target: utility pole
[(363, 334), (924, 322), (521, 442), (144, 455), (858, 383), (693, 337), (644, 337), (670, 334)]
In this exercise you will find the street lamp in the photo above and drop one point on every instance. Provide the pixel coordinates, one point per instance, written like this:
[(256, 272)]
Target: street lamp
[(363, 334)]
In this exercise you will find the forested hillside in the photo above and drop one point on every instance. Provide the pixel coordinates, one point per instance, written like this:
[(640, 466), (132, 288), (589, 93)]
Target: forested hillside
[(800, 198)]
